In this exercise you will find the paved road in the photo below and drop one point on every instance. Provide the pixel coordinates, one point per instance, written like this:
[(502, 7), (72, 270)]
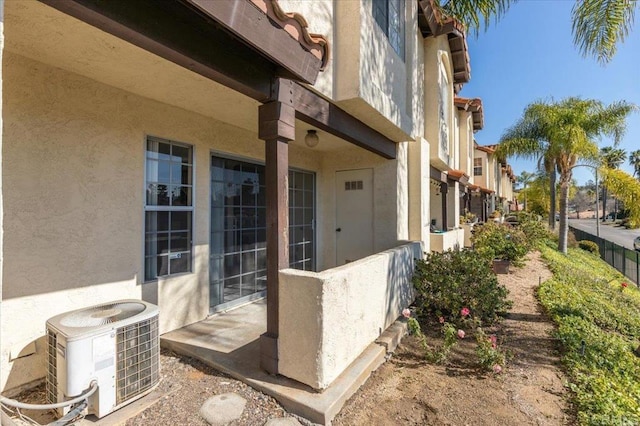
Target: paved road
[(618, 235)]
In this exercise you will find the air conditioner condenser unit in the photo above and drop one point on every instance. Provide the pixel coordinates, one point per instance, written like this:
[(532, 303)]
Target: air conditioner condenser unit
[(115, 344)]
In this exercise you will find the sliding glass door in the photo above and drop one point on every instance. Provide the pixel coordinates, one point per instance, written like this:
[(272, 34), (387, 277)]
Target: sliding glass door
[(238, 254)]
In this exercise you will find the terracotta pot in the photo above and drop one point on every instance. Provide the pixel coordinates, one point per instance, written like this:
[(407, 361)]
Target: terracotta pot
[(501, 266)]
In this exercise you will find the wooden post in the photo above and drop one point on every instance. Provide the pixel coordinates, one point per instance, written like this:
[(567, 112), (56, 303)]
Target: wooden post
[(276, 128), (444, 190)]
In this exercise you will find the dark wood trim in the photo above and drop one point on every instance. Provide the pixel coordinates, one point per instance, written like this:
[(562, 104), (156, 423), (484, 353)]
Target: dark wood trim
[(321, 113), (438, 175), (251, 25), (444, 190), (173, 31), (277, 128), (199, 43)]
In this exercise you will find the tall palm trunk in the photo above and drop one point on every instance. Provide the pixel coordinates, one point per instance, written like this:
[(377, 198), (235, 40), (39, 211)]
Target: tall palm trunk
[(552, 196), (563, 232)]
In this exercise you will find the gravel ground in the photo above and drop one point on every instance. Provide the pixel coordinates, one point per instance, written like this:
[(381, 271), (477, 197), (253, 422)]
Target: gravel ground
[(189, 383)]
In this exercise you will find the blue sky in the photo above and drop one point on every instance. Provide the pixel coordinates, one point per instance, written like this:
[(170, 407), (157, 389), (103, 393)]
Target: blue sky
[(529, 55)]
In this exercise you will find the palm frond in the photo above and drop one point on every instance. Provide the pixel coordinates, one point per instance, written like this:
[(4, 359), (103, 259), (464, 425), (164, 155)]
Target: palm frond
[(476, 14), (599, 25)]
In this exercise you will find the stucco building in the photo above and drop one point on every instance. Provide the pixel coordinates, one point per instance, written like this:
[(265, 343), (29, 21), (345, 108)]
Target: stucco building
[(294, 150)]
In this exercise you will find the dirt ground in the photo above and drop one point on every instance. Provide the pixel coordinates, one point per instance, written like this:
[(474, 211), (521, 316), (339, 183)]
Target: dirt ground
[(406, 390), (530, 391)]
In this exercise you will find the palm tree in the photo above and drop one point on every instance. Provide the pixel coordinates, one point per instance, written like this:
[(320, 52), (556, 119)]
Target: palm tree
[(598, 25), (611, 158), (565, 132), (634, 160), (524, 179), (529, 138)]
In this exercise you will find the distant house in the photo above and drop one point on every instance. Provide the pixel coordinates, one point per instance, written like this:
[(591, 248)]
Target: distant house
[(200, 155)]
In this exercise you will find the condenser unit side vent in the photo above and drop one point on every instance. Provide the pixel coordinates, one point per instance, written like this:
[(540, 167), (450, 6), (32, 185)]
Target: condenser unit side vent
[(138, 357)]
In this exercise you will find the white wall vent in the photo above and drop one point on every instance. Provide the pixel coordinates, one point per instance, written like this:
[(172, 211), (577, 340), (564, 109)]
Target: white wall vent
[(116, 344)]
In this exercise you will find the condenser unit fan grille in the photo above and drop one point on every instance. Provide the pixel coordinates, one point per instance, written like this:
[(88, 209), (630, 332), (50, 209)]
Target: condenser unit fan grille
[(103, 314), (138, 359), (52, 368)]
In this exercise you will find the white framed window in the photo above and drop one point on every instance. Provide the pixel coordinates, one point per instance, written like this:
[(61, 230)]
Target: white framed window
[(168, 208), (389, 15), (477, 166)]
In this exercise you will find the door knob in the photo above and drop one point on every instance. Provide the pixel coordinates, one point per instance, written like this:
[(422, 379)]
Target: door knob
[(338, 229)]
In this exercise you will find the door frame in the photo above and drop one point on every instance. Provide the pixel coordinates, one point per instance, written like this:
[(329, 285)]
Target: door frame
[(225, 306), (373, 213)]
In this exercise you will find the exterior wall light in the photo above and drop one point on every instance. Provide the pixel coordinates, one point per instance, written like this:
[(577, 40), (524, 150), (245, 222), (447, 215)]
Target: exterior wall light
[(311, 139)]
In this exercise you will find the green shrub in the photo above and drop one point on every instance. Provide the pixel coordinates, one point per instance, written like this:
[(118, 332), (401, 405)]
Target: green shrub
[(497, 241), (535, 230), (447, 282), (589, 246), (598, 317)]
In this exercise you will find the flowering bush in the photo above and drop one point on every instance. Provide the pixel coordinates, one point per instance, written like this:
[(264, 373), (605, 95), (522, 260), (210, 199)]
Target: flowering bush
[(490, 356), (435, 355), (454, 282)]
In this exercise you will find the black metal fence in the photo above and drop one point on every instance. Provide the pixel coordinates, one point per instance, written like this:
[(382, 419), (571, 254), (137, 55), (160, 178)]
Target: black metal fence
[(623, 259)]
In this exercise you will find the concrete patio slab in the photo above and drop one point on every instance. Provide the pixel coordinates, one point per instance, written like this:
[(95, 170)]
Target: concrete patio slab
[(229, 343)]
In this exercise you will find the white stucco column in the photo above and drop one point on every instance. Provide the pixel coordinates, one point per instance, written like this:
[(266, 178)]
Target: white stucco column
[(419, 192)]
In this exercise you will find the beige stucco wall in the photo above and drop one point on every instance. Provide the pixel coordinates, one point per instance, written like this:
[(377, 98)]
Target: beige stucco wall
[(466, 142), (371, 80), (73, 170), (319, 14), (483, 179), (1, 167), (447, 240), (419, 192), (436, 52), (73, 159), (327, 319), (390, 198)]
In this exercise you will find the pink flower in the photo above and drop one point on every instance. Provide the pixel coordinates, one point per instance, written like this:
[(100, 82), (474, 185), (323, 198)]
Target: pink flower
[(406, 313), (461, 334), (464, 312), (493, 339), (497, 369), (624, 285), (441, 320)]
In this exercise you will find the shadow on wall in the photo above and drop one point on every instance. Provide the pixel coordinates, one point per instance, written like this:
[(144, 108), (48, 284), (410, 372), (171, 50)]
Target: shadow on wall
[(400, 293)]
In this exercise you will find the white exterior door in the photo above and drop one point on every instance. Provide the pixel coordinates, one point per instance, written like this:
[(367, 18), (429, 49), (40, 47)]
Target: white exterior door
[(354, 215)]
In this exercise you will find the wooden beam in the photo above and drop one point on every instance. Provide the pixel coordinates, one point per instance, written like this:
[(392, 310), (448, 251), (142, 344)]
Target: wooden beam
[(250, 24), (175, 32), (319, 112), (436, 174)]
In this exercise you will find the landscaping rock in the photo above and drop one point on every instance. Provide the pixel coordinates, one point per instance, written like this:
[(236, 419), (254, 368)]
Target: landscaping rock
[(222, 409), (283, 421)]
